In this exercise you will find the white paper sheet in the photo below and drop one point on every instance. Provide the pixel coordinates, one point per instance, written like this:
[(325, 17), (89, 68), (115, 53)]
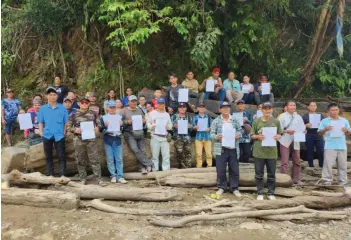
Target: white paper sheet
[(239, 116), (182, 126), (210, 84), (183, 95), (299, 137), (202, 124), (137, 122), (25, 121), (266, 88), (228, 138), (246, 88), (338, 125), (259, 114), (269, 133), (87, 130), (113, 122), (160, 128), (315, 120)]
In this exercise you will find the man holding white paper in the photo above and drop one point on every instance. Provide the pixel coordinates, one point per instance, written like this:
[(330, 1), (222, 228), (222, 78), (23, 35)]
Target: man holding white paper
[(335, 150), (264, 131), (218, 92), (227, 154), (181, 135), (134, 122), (313, 139), (260, 96), (85, 125)]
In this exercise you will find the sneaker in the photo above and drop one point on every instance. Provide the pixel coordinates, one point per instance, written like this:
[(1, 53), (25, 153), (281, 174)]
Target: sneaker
[(113, 180), (148, 169), (220, 191), (260, 197), (271, 197), (326, 183), (237, 193), (122, 180), (143, 171), (102, 184), (83, 182)]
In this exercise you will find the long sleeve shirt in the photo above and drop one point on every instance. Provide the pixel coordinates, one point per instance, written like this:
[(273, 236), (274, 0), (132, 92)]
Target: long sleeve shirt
[(234, 85), (175, 119), (202, 135), (291, 122), (151, 123)]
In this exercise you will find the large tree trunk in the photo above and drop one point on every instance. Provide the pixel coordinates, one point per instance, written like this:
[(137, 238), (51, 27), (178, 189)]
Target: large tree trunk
[(120, 193), (210, 179), (40, 198)]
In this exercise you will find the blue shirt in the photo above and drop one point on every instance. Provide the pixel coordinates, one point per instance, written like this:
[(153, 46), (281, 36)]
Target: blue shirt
[(334, 143), (235, 85), (246, 138), (54, 120), (11, 108), (202, 135), (125, 101)]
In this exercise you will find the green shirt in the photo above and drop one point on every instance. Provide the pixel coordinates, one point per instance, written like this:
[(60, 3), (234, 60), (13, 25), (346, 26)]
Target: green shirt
[(258, 150)]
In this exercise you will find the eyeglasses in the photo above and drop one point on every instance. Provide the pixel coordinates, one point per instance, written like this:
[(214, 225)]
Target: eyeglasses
[(86, 103)]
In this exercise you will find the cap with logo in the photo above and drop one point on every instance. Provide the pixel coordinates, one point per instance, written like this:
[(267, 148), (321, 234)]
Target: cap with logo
[(67, 99), (111, 103), (50, 90), (181, 104), (267, 104), (224, 104), (161, 100), (132, 97), (85, 99), (240, 101)]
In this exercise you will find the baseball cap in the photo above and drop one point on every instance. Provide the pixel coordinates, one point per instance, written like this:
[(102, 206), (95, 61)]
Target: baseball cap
[(201, 104), (240, 101), (9, 90), (224, 104), (67, 99), (36, 102), (111, 104), (84, 100), (132, 97), (161, 100), (89, 94), (50, 90), (181, 104), (267, 104)]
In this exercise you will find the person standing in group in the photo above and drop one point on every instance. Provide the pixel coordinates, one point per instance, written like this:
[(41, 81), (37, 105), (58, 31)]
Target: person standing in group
[(52, 119), (159, 141), (113, 145), (33, 133), (248, 90), (182, 142), (313, 139), (192, 84), (233, 88), (72, 95), (245, 139), (334, 129), (135, 138), (142, 104), (157, 95), (61, 90), (291, 123), (219, 90), (9, 112), (203, 137), (259, 97), (67, 102), (265, 155), (111, 95), (172, 94), (125, 100), (226, 155), (86, 150), (37, 97), (119, 105), (93, 105)]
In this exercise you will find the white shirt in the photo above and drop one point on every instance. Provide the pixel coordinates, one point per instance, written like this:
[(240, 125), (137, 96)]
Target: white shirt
[(151, 122), (297, 124)]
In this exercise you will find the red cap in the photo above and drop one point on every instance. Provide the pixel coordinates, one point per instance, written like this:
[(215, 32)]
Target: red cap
[(216, 70)]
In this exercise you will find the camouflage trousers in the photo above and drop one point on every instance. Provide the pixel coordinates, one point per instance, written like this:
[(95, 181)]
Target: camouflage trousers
[(183, 150), (85, 151)]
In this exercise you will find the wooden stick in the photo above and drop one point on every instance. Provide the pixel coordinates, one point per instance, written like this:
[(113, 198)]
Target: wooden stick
[(36, 177), (303, 216), (230, 209), (285, 192)]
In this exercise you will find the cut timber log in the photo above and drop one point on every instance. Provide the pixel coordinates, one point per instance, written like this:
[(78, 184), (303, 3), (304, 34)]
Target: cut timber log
[(120, 193), (285, 192), (40, 198), (98, 204), (314, 202), (16, 176), (210, 179), (304, 216)]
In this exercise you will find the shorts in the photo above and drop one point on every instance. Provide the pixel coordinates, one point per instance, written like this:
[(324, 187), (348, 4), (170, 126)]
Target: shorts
[(9, 125)]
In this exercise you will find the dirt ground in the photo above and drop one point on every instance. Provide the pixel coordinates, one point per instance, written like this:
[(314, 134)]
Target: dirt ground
[(22, 222)]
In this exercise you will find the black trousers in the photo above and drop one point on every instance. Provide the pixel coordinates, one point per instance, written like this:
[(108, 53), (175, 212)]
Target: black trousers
[(60, 151), (245, 152), (227, 157), (259, 171)]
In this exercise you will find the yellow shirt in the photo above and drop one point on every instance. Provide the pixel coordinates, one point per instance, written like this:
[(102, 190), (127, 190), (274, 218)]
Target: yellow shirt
[(192, 85)]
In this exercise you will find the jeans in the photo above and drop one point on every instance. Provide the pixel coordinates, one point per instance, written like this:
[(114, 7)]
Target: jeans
[(9, 125), (199, 146), (60, 151), (340, 157), (296, 167), (214, 96), (245, 152), (248, 98), (314, 141), (138, 148), (259, 175), (114, 160), (156, 147), (227, 157)]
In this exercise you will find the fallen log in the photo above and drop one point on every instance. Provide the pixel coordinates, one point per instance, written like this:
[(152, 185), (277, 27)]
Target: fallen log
[(284, 192), (304, 216), (304, 164), (16, 176), (210, 179), (177, 223), (219, 210), (314, 202), (99, 205), (120, 193), (40, 198)]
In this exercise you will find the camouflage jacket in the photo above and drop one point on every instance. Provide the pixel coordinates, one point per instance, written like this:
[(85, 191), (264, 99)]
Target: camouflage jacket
[(76, 118)]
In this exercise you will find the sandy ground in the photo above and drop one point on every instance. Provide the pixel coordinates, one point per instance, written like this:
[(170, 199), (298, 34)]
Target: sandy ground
[(22, 222)]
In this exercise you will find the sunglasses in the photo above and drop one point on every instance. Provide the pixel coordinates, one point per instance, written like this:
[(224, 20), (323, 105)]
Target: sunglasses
[(86, 103)]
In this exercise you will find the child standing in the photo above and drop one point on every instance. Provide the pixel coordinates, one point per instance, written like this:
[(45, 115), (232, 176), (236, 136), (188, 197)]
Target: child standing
[(157, 95)]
